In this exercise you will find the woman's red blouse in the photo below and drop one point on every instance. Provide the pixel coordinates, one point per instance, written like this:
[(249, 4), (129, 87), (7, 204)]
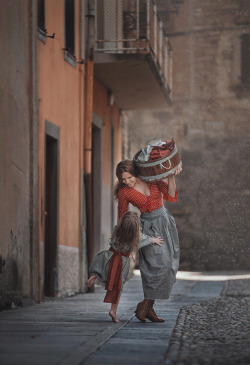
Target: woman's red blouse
[(158, 191)]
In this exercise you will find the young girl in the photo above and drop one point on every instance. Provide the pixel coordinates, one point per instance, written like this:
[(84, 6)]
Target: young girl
[(111, 267)]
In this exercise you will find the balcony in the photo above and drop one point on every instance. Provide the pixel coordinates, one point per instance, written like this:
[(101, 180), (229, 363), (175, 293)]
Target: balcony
[(133, 58)]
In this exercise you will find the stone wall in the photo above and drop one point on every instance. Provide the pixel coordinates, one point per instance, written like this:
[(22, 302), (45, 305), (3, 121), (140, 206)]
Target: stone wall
[(209, 118), (18, 166)]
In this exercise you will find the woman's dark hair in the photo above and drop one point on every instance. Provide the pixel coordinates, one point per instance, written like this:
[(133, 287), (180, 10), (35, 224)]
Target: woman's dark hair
[(124, 166), (127, 233)]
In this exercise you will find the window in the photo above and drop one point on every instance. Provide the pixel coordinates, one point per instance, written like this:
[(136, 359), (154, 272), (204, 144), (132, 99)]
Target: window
[(245, 59), (69, 21), (41, 15)]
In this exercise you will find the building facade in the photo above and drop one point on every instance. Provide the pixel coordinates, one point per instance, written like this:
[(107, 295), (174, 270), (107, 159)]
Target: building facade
[(79, 129), (69, 69)]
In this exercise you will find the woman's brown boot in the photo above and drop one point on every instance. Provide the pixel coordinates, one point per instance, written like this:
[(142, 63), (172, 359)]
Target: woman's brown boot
[(142, 310), (151, 315)]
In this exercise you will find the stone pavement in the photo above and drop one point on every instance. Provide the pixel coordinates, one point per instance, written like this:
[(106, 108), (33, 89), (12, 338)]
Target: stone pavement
[(214, 331), (198, 328)]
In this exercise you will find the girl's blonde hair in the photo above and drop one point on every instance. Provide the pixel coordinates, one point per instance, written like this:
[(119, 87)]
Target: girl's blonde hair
[(126, 234)]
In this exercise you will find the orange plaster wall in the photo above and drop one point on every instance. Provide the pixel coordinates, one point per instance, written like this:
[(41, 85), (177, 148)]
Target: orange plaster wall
[(60, 96), (108, 114), (102, 109)]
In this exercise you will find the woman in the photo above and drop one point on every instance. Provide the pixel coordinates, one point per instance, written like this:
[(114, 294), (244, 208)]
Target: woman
[(158, 264)]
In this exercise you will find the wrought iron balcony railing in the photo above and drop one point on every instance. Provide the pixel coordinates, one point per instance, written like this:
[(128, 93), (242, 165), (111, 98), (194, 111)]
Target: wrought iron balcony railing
[(133, 27)]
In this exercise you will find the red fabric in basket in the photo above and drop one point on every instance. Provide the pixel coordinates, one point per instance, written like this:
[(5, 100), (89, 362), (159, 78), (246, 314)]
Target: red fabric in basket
[(161, 151)]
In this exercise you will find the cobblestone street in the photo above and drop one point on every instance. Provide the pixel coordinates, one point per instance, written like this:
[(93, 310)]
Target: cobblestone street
[(214, 331), (207, 322)]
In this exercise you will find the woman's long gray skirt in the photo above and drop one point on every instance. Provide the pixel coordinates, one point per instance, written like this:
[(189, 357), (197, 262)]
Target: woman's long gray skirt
[(159, 264)]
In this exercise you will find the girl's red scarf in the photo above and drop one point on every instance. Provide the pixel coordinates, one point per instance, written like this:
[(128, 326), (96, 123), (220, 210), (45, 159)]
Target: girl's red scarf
[(114, 278)]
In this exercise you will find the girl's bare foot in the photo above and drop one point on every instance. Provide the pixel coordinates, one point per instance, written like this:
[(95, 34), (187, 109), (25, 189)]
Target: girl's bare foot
[(91, 280), (113, 316)]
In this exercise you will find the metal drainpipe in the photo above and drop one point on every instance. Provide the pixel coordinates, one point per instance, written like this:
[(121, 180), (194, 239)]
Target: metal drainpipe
[(88, 126), (148, 26)]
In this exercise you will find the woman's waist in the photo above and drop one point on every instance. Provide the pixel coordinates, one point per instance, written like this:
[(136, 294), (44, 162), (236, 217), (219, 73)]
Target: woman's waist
[(154, 213)]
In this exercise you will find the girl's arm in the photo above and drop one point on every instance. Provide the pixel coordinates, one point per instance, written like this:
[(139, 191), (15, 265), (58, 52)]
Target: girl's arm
[(147, 240)]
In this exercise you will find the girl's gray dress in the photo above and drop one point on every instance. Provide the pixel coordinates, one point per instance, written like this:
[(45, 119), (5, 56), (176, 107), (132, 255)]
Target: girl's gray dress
[(158, 264), (100, 265)]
